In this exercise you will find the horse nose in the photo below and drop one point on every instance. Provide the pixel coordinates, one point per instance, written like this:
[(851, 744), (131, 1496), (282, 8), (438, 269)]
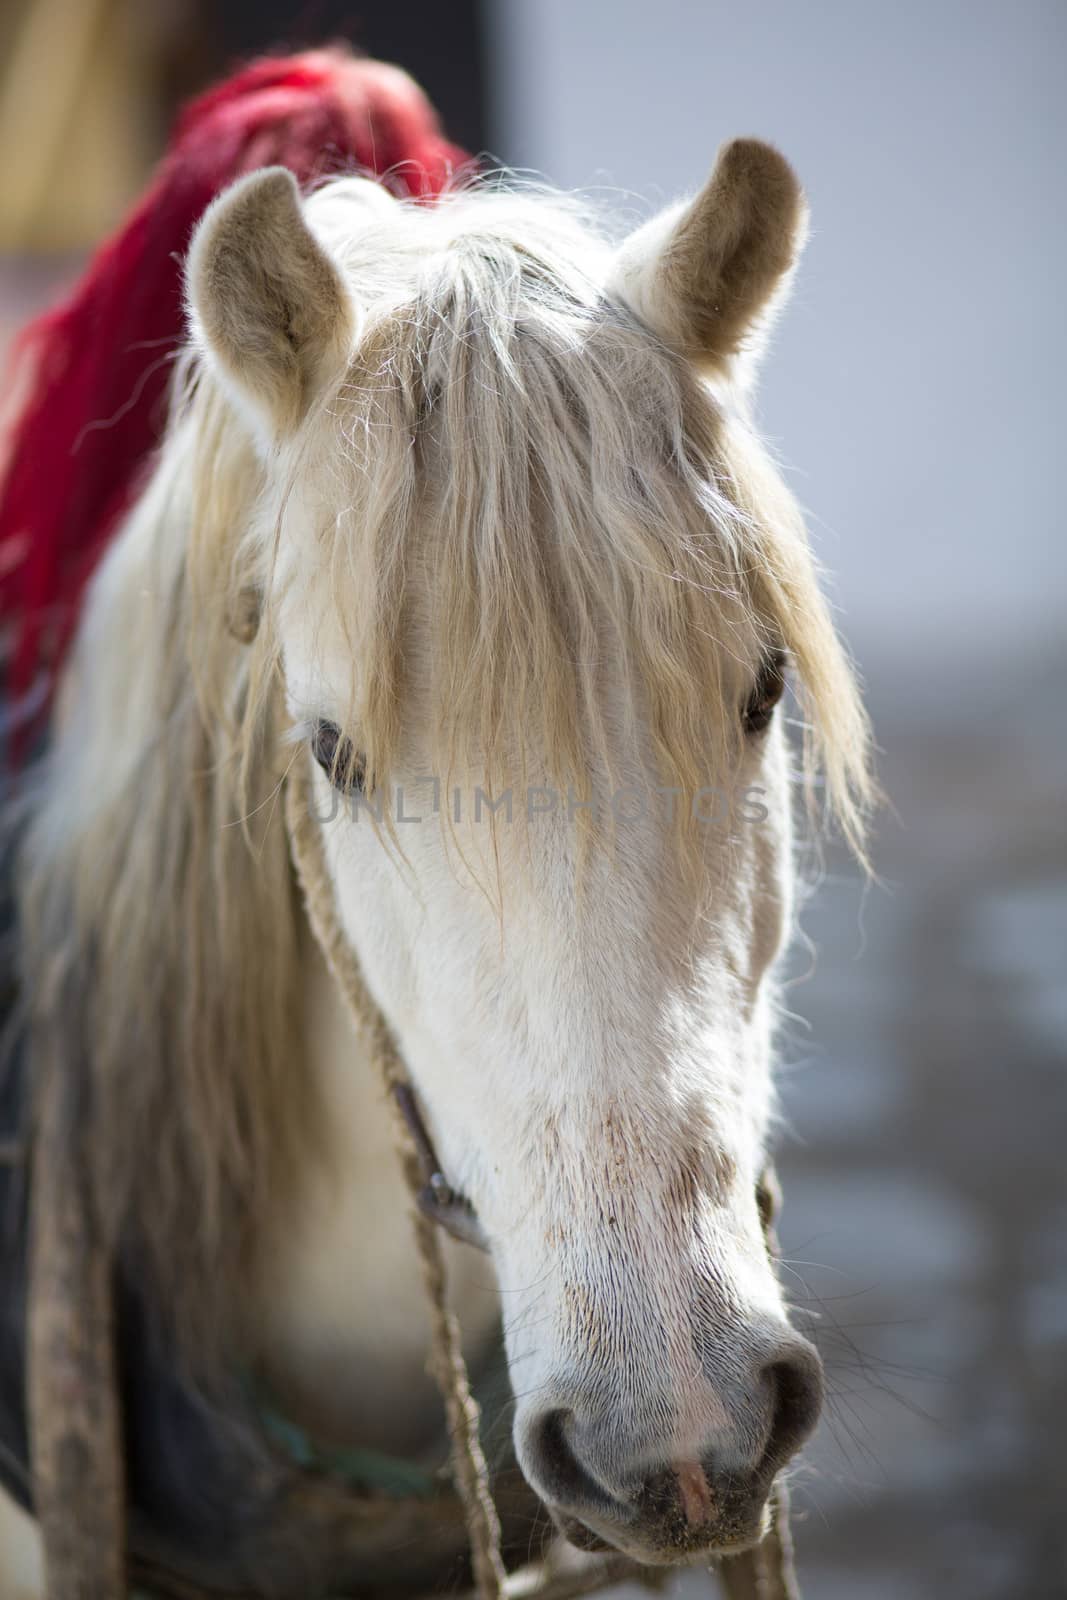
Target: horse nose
[(613, 1479), (795, 1384), (549, 1457)]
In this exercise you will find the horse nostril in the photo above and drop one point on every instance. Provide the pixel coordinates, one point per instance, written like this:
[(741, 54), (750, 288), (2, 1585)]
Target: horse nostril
[(795, 1381), (550, 1462)]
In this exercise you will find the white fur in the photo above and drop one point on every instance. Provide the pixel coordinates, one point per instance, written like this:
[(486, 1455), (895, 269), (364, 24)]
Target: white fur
[(566, 1056)]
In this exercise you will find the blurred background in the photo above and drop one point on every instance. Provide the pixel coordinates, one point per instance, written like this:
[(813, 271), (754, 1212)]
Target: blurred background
[(913, 395)]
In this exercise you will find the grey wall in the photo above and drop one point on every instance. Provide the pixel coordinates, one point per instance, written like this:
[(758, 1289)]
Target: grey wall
[(917, 377)]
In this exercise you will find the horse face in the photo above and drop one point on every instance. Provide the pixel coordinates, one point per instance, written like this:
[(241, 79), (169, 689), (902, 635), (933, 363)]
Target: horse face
[(590, 1044), (585, 1017)]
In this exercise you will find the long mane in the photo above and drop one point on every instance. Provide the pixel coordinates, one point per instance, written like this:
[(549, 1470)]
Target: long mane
[(588, 503), (159, 930)]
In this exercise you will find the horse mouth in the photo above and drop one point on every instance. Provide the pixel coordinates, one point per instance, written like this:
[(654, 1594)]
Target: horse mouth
[(666, 1541)]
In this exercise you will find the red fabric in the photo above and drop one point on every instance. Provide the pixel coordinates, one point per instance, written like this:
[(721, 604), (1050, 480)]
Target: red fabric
[(97, 365)]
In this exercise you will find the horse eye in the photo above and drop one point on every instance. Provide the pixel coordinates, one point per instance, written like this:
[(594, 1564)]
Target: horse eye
[(338, 759), (770, 686)]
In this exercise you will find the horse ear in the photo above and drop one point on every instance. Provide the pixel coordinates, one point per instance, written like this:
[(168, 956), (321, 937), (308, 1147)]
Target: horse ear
[(708, 274), (266, 302)]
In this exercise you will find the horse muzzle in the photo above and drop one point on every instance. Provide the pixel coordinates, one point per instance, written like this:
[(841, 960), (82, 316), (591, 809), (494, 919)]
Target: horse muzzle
[(712, 1500)]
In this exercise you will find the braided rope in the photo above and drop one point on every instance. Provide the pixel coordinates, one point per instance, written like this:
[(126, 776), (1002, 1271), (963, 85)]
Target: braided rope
[(448, 1365)]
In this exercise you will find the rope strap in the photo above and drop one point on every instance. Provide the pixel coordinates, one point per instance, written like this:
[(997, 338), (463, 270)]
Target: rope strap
[(73, 1405)]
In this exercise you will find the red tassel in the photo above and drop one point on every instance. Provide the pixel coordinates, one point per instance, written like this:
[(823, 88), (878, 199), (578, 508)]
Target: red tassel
[(97, 365)]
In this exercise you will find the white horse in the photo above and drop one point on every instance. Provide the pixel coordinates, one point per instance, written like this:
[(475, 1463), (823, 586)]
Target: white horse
[(462, 517)]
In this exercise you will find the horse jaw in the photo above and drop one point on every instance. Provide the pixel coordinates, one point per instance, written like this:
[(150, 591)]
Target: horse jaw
[(342, 1308)]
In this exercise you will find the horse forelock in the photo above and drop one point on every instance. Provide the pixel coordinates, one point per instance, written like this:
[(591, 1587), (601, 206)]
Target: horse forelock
[(515, 458)]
